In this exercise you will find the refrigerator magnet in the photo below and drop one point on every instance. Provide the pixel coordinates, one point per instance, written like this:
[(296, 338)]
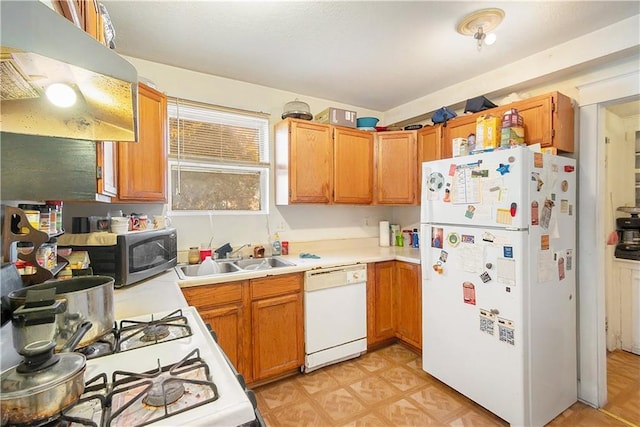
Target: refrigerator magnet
[(453, 239), (470, 211), (488, 237), (564, 186), (507, 251), (534, 213), (437, 267), (535, 176), (544, 242), (538, 160), (564, 206), (561, 268), (435, 182), (468, 238), (503, 169), (487, 321), (485, 277), (469, 293), (443, 256), (506, 331), (569, 259), (437, 234)]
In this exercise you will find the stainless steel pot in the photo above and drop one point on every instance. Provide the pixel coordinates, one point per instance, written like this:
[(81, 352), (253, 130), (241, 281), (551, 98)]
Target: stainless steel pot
[(42, 385), (88, 299)]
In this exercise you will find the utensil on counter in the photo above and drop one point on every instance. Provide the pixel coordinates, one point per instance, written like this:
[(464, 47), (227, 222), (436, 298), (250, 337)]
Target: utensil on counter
[(88, 299)]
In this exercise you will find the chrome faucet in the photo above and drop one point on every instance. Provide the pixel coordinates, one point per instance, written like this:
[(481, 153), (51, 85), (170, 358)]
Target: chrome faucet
[(230, 254)]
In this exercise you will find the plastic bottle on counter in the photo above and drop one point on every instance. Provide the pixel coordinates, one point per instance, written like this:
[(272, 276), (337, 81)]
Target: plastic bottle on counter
[(415, 239), (277, 247)]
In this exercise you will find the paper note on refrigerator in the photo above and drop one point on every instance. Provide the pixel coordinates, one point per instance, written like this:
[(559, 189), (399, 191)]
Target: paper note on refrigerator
[(466, 188), (507, 271), (470, 258), (546, 266)]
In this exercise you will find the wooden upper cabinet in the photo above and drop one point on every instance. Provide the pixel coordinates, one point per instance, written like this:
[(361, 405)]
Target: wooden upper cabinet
[(459, 127), (352, 166), (395, 168), (107, 166), (85, 14), (429, 148), (304, 158), (142, 165), (548, 120)]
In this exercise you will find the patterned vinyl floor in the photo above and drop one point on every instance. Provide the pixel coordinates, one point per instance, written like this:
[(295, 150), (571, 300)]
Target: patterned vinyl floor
[(387, 387)]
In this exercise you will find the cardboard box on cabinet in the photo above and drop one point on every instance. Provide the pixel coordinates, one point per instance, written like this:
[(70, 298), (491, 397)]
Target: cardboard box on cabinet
[(337, 117)]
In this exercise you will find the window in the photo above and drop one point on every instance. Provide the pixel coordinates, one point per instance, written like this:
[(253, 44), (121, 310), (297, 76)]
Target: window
[(218, 159)]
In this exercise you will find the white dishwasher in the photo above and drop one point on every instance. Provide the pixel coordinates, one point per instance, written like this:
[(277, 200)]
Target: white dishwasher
[(335, 315)]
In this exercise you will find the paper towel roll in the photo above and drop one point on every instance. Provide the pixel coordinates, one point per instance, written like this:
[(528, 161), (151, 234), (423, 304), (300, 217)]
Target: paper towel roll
[(384, 233)]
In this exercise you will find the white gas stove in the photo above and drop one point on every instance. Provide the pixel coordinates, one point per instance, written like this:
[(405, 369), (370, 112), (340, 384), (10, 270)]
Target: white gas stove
[(211, 390), (168, 372)]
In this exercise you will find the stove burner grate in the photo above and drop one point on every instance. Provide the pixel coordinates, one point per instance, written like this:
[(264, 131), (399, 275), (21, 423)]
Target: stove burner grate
[(135, 334), (164, 391), (154, 332), (138, 399)]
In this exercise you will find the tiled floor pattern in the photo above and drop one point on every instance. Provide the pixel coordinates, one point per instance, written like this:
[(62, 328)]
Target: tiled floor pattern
[(388, 388)]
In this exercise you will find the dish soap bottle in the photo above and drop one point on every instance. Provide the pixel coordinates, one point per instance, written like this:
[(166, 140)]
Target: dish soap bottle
[(276, 246)]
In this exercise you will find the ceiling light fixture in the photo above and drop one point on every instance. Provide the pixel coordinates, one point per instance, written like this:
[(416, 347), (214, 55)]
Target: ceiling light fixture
[(61, 95), (479, 24)]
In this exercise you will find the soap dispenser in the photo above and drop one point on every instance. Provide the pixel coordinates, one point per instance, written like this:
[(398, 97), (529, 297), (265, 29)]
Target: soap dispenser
[(276, 246)]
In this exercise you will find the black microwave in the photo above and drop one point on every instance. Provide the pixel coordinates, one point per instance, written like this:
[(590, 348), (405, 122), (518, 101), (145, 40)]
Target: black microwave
[(135, 256)]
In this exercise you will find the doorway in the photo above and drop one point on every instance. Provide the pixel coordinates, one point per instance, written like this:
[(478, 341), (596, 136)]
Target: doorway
[(595, 98)]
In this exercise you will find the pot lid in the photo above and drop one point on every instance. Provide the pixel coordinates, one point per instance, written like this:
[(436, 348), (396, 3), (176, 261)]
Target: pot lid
[(50, 372)]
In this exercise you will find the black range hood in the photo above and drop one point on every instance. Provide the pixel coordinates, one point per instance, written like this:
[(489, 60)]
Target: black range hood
[(39, 47)]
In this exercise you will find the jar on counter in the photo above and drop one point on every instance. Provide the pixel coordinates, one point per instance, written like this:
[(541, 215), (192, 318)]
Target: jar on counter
[(24, 248), (194, 255), (45, 219), (32, 212), (47, 254), (56, 205)]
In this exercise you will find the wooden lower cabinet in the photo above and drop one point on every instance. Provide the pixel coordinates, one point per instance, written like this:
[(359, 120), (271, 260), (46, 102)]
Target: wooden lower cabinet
[(225, 307), (277, 325), (258, 323), (408, 303), (380, 320), (276, 346), (394, 304)]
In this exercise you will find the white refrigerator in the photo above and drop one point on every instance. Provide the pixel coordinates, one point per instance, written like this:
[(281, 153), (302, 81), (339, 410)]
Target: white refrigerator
[(498, 281)]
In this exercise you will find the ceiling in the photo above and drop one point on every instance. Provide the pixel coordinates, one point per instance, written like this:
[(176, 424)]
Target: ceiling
[(371, 54)]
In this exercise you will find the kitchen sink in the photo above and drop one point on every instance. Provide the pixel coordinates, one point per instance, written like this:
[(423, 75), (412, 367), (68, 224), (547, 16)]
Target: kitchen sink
[(262, 263), (230, 267), (187, 271)]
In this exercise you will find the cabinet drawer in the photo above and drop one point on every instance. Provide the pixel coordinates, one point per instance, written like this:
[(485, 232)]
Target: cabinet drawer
[(213, 295), (275, 285)]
